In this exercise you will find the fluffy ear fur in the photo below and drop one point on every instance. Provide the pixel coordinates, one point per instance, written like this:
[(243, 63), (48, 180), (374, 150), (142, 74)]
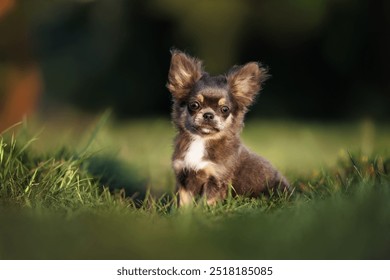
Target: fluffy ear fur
[(184, 72), (245, 82)]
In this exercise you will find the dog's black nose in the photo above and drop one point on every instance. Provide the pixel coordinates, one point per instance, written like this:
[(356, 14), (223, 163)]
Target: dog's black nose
[(208, 116)]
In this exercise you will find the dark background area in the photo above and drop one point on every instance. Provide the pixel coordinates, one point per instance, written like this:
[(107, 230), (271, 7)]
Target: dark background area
[(328, 59)]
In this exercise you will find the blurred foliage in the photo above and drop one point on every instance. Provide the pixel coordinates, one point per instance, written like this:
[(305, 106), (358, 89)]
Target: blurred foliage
[(328, 58)]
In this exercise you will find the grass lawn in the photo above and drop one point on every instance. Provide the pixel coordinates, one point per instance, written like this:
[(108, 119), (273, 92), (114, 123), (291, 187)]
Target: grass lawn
[(89, 189)]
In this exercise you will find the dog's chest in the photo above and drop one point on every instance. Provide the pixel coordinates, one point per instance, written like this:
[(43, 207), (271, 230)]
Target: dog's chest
[(194, 155)]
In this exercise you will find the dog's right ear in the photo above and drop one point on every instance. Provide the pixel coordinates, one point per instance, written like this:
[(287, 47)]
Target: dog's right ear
[(184, 72)]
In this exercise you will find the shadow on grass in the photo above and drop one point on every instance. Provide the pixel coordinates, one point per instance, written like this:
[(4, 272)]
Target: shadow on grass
[(117, 176)]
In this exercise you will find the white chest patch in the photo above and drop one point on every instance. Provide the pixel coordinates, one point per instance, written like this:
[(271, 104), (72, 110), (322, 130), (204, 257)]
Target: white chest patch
[(194, 156)]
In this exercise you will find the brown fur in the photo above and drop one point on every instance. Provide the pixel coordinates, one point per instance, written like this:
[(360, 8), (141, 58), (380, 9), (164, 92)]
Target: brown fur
[(208, 113)]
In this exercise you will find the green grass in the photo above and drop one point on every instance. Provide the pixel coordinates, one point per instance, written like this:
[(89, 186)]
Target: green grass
[(106, 192)]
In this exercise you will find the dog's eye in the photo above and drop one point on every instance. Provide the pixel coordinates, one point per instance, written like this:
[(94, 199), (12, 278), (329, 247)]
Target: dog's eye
[(194, 106), (225, 109)]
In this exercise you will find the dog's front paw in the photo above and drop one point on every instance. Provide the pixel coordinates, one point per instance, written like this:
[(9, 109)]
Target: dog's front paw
[(186, 198)]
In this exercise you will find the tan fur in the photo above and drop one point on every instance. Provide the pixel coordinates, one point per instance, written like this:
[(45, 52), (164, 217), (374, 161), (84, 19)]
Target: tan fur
[(222, 101), (186, 197)]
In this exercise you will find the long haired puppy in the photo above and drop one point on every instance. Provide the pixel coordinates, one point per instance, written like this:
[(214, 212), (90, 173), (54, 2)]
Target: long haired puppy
[(208, 112)]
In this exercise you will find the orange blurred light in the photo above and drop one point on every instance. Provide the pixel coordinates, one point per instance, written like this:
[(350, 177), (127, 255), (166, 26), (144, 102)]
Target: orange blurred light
[(6, 6), (23, 87)]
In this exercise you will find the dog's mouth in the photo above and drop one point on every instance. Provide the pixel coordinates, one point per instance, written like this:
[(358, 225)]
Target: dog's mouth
[(205, 129)]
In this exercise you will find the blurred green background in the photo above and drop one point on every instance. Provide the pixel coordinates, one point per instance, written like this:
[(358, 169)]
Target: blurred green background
[(328, 58)]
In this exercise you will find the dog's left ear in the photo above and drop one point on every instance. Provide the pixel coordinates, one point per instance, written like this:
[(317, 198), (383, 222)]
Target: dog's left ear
[(245, 82)]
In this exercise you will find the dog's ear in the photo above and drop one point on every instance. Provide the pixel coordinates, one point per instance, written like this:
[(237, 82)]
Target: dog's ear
[(245, 82), (184, 72)]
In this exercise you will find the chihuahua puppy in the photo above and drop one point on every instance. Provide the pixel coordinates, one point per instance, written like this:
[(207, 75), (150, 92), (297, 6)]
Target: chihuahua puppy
[(208, 112)]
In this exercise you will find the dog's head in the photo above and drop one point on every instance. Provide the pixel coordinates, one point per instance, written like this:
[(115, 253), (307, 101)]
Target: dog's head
[(211, 105)]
